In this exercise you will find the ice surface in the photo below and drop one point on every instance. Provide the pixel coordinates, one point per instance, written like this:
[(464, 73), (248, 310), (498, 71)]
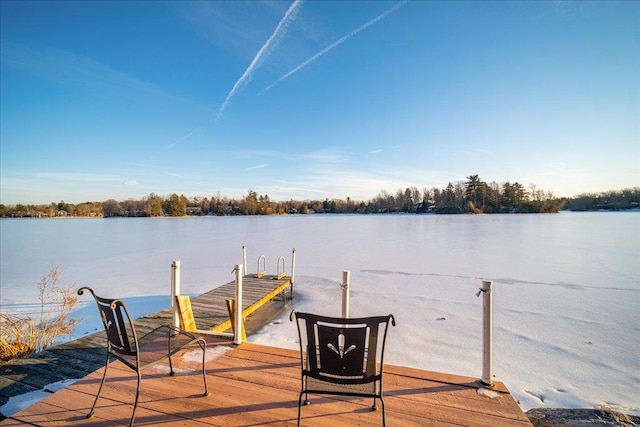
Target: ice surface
[(566, 287), (23, 401)]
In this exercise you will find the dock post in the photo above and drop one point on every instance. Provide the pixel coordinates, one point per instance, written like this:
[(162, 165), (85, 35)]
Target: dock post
[(244, 258), (293, 270), (345, 293), (487, 333), (237, 332), (175, 291)]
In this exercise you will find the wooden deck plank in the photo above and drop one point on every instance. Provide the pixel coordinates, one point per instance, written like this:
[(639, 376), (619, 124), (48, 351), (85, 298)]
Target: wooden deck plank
[(438, 392), (258, 292), (251, 385), (259, 385), (80, 357)]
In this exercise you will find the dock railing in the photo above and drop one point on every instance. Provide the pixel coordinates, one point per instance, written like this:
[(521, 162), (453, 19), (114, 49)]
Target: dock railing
[(175, 291), (487, 333), (487, 324), (346, 275), (261, 269), (237, 330)]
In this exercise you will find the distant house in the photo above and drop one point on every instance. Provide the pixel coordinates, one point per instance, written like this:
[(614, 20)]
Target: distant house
[(62, 213), (194, 210)]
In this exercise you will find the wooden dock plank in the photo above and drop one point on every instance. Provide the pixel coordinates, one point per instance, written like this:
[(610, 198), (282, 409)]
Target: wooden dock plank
[(80, 357), (259, 385), (250, 384), (403, 384), (259, 293)]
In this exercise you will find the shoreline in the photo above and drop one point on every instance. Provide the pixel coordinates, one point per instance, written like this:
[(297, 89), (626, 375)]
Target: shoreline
[(559, 417)]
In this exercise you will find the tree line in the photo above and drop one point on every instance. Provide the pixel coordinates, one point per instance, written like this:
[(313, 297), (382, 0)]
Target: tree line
[(471, 196)]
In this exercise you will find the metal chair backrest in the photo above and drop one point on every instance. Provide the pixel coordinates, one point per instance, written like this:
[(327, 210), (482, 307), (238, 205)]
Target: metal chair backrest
[(342, 356), (118, 324), (343, 350)]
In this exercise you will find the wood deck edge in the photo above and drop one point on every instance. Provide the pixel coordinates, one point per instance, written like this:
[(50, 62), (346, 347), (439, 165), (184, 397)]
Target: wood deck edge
[(445, 378)]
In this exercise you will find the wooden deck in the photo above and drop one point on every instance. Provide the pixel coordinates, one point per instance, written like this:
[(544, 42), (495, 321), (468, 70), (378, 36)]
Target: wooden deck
[(255, 385), (250, 385), (76, 359), (210, 309)]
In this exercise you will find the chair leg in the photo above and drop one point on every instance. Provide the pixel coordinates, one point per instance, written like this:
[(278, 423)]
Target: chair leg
[(374, 407), (135, 403), (203, 346), (171, 373), (104, 376), (384, 418), (300, 406)]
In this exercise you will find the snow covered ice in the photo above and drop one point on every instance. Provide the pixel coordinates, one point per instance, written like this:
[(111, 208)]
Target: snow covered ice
[(566, 286)]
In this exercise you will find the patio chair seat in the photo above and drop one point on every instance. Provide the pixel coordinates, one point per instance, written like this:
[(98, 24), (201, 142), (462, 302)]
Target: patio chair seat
[(135, 352)]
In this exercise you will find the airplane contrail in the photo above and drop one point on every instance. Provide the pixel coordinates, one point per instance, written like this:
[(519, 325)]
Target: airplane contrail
[(256, 167), (186, 136), (178, 141), (334, 44), (260, 56)]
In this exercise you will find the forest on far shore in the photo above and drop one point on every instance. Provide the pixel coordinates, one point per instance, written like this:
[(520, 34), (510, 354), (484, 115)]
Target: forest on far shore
[(470, 196)]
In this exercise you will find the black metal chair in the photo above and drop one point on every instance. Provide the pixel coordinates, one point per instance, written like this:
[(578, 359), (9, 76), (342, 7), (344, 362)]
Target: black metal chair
[(124, 345), (342, 356)]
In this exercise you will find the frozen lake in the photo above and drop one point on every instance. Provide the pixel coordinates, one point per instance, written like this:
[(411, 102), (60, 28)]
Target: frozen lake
[(566, 286)]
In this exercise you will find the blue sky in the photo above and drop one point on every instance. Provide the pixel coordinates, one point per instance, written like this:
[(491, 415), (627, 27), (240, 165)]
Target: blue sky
[(315, 99)]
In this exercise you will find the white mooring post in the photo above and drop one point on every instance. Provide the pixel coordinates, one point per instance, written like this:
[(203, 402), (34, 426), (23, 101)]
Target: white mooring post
[(345, 293), (175, 291), (237, 333), (293, 270), (244, 258), (487, 333)]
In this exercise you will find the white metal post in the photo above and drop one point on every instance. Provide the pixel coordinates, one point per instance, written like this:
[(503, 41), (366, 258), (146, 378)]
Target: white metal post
[(175, 291), (487, 333), (244, 258), (237, 333), (345, 293), (293, 270)]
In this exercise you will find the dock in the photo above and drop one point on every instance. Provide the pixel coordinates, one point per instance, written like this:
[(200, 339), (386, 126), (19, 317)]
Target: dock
[(77, 359), (258, 385), (250, 384)]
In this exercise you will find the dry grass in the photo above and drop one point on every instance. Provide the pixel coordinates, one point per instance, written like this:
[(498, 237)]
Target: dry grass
[(16, 337), (23, 335)]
